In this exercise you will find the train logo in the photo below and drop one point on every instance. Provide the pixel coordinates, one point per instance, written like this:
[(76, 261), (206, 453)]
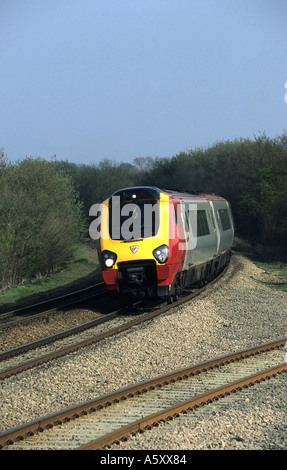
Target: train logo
[(134, 248)]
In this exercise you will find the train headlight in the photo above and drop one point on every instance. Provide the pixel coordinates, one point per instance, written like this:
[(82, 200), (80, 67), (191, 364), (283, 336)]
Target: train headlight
[(109, 258), (161, 253)]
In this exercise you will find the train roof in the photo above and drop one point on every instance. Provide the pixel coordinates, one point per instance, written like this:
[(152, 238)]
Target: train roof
[(192, 194), (175, 194)]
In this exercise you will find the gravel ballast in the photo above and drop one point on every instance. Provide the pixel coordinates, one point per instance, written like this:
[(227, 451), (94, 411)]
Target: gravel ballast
[(238, 312)]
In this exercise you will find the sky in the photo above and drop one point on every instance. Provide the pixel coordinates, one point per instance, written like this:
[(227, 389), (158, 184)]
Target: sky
[(88, 80)]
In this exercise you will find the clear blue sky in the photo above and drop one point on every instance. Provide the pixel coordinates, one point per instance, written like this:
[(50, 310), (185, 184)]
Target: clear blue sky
[(87, 80)]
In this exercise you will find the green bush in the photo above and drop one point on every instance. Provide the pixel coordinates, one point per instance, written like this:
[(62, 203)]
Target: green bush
[(40, 220)]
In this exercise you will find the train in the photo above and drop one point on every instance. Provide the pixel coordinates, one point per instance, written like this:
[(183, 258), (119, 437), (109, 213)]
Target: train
[(162, 241)]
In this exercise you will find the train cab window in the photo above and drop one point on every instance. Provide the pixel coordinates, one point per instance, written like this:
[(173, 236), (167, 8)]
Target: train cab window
[(225, 219), (202, 224), (134, 213)]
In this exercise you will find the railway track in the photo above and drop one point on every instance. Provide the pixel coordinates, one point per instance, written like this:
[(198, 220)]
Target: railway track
[(48, 306), (106, 420), (13, 361)]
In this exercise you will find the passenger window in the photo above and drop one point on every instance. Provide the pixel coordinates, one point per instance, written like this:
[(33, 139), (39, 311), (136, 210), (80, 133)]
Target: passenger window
[(225, 220), (202, 224)]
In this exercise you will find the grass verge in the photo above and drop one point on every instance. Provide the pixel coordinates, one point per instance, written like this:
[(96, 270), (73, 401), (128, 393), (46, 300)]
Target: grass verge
[(82, 271), (278, 272)]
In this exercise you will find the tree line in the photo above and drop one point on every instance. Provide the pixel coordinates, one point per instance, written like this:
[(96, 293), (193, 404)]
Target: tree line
[(44, 206)]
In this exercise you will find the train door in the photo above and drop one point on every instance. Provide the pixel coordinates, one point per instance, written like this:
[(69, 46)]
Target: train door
[(207, 233), (215, 226), (225, 224), (188, 215)]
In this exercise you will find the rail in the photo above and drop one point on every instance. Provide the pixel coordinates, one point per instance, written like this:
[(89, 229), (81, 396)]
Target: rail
[(39, 425)]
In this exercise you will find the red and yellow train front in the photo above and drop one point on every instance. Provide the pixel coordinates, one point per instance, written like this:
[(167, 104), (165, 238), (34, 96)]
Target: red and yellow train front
[(138, 247)]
